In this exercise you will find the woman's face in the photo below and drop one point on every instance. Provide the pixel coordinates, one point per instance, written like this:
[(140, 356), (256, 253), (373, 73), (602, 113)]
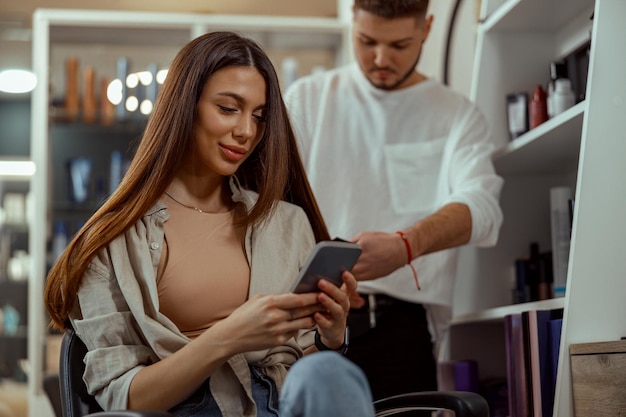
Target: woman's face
[(230, 119)]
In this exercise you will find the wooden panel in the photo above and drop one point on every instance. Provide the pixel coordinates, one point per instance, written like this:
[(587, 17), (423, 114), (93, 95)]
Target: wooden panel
[(598, 379), (618, 346)]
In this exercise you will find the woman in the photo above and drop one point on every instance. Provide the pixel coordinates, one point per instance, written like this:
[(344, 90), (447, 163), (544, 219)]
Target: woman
[(178, 283)]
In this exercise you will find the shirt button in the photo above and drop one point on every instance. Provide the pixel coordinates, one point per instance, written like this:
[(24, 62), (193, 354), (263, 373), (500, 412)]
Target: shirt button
[(154, 245)]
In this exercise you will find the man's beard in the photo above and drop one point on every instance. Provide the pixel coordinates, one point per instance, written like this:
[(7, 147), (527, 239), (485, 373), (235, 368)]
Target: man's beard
[(401, 80)]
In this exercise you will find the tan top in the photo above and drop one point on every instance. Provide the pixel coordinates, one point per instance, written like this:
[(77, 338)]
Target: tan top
[(203, 274)]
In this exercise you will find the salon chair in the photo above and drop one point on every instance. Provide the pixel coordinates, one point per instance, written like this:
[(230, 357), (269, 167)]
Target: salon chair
[(77, 402)]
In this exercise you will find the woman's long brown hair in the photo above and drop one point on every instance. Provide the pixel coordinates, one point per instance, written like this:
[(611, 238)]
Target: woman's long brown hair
[(274, 169)]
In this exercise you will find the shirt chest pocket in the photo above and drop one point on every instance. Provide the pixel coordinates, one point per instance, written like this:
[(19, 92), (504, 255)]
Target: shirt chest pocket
[(413, 174)]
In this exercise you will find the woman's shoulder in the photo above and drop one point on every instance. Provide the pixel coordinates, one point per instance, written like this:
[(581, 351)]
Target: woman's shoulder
[(285, 215), (145, 232)]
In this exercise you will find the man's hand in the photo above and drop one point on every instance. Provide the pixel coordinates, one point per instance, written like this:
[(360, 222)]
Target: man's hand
[(382, 253)]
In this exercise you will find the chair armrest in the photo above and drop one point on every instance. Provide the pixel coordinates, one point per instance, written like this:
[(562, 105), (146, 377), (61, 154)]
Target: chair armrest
[(464, 404), (131, 413)]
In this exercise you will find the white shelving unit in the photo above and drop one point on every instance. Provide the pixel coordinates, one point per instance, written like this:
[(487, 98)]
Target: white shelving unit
[(583, 148), (106, 32)]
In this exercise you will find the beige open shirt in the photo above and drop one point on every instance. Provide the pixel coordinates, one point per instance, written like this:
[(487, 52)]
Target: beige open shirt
[(118, 314)]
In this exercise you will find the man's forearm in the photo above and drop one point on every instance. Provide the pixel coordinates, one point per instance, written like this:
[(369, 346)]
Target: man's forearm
[(448, 227)]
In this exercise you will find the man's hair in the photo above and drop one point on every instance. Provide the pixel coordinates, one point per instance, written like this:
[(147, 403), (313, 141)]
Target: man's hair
[(391, 9)]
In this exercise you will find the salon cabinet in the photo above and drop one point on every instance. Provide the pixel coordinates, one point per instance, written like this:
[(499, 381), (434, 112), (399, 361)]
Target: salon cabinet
[(15, 205), (582, 148), (98, 39)]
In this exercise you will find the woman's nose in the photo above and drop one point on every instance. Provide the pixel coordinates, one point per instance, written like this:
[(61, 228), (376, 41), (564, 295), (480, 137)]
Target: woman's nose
[(245, 128)]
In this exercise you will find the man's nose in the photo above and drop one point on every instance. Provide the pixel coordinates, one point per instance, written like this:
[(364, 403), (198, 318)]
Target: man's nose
[(381, 57)]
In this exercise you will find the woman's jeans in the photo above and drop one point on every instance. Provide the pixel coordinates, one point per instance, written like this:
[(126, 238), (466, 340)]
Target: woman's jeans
[(322, 384), (325, 384)]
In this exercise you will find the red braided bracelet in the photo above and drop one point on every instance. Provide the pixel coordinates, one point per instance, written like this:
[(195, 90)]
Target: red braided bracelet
[(409, 254)]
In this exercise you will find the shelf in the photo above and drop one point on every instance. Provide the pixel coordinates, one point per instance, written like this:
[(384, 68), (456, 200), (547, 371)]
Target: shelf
[(13, 227), (534, 15), (17, 283), (176, 29), (551, 147), (498, 313), (22, 333)]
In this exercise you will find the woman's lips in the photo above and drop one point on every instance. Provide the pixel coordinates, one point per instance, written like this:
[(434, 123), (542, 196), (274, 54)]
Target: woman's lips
[(233, 153)]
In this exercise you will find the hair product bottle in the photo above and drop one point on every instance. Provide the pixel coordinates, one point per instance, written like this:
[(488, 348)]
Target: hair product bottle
[(563, 97), (72, 97), (538, 109), (560, 198)]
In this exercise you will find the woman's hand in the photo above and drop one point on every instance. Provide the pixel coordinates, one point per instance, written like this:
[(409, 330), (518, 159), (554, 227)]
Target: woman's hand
[(331, 322), (265, 321)]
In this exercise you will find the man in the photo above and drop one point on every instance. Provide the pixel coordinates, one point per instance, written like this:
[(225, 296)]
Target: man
[(401, 165)]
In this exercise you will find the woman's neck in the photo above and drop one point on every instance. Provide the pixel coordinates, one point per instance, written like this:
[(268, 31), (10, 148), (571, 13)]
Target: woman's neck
[(204, 194)]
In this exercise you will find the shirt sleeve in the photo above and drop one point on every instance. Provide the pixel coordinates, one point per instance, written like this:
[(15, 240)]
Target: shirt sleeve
[(472, 177), (115, 349)]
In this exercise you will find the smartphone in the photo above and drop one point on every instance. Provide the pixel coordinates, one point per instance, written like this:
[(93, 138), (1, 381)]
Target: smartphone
[(328, 260)]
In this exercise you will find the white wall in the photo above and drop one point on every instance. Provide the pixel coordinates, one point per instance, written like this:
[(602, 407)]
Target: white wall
[(462, 46)]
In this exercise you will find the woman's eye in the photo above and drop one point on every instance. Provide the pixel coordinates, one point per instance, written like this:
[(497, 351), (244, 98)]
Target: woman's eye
[(260, 118), (227, 109)]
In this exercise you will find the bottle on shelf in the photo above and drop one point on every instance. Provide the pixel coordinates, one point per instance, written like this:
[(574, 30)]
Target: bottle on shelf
[(72, 99), (517, 114), (107, 109), (560, 221), (563, 96), (89, 105), (538, 108), (59, 240), (557, 70)]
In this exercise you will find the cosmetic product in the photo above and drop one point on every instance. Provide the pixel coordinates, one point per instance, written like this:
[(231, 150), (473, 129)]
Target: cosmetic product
[(80, 173), (538, 107), (560, 198), (558, 70), (59, 239), (521, 289), (71, 104), (544, 286), (517, 111), (107, 109), (534, 271), (115, 171), (10, 320), (19, 265), (88, 101), (14, 208), (563, 97)]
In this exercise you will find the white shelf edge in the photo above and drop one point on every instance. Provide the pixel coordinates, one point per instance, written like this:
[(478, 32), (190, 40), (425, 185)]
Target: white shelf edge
[(498, 313), (540, 131), (76, 17), (496, 17)]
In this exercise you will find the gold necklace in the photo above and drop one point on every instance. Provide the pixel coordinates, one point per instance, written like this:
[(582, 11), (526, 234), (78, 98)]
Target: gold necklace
[(199, 210)]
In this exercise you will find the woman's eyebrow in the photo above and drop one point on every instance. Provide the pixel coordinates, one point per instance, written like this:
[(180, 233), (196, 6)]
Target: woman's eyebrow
[(239, 99)]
